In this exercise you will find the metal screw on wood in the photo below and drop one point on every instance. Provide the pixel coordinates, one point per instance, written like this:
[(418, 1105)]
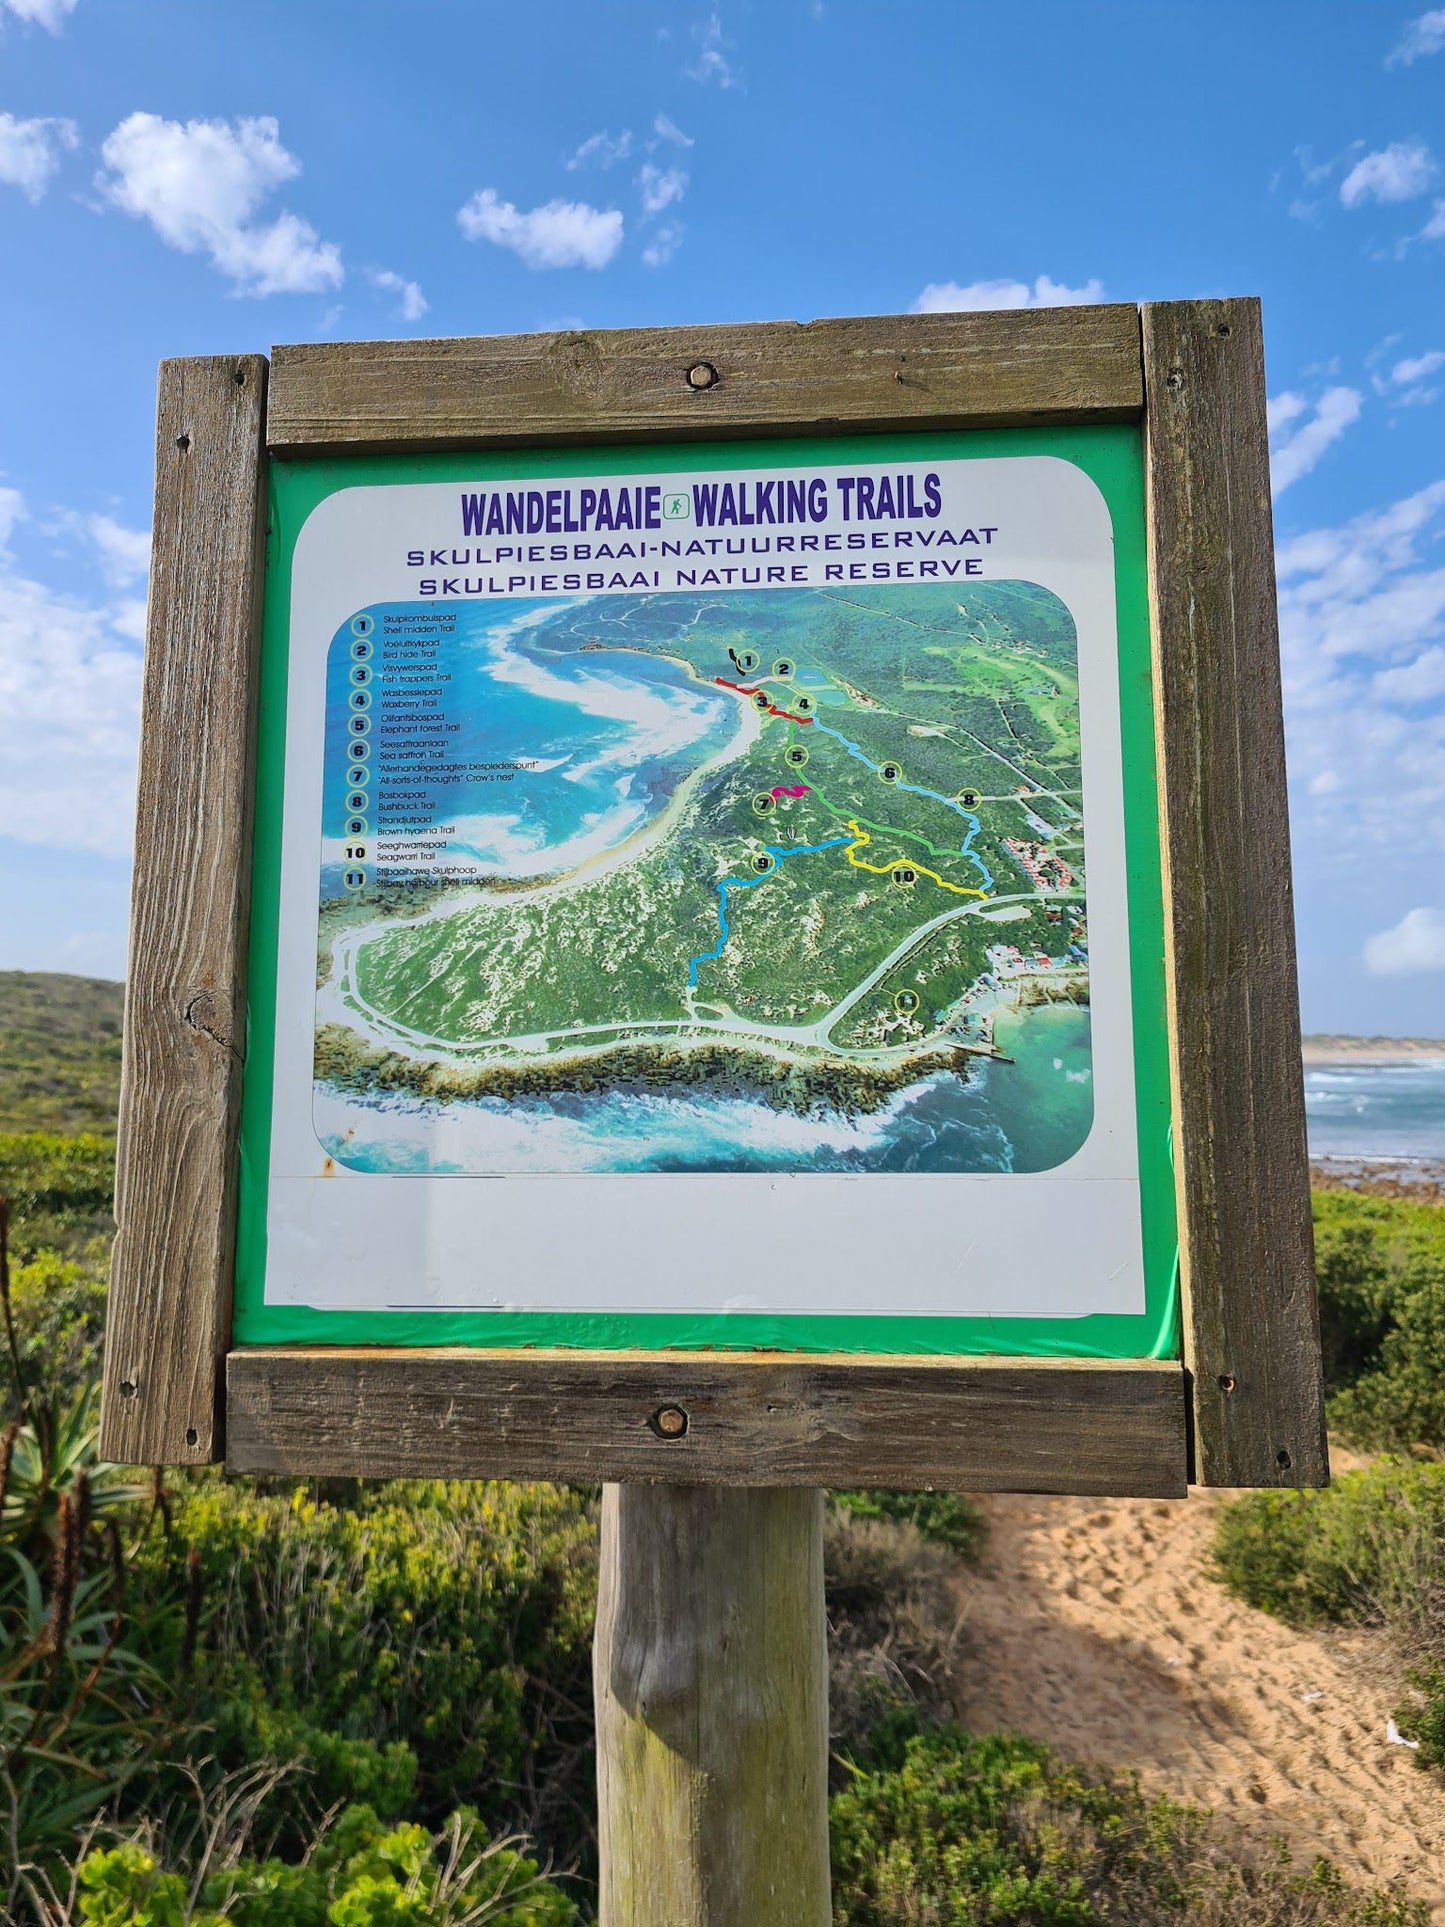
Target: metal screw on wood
[(669, 1422), (702, 374)]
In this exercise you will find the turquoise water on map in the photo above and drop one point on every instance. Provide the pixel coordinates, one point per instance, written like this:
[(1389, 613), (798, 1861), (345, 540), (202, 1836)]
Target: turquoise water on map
[(1377, 1110), (1017, 1117), (607, 740)]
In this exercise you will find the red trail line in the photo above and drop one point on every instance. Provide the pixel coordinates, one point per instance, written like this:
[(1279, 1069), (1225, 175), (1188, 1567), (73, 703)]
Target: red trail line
[(773, 709)]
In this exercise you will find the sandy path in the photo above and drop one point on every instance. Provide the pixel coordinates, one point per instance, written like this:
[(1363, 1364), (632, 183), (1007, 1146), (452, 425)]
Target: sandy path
[(1090, 1624)]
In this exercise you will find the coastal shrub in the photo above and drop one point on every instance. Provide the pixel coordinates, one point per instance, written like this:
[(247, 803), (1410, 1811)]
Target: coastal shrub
[(58, 1305), (58, 1203), (947, 1518), (1400, 1403), (358, 1873), (83, 1711), (59, 1051), (894, 1620), (943, 1829), (59, 1189), (1368, 1550), (1380, 1266), (425, 1647)]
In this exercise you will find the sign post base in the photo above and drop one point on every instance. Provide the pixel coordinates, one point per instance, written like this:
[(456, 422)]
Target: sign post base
[(710, 1669)]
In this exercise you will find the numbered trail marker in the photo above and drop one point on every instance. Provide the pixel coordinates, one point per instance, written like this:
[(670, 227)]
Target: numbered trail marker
[(473, 668)]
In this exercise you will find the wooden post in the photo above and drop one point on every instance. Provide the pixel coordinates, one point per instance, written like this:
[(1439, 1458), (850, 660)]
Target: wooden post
[(711, 1679)]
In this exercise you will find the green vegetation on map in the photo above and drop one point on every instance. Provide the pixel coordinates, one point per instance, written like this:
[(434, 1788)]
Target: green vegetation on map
[(894, 830)]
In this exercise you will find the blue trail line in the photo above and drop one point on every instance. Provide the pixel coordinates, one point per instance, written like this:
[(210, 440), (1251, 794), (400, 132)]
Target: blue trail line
[(933, 796), (780, 853)]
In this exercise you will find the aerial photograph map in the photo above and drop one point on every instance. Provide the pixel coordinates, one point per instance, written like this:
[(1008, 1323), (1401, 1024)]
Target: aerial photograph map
[(774, 880)]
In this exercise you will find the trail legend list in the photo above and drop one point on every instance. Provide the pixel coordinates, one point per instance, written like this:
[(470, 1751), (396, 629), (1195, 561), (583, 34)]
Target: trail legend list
[(407, 753)]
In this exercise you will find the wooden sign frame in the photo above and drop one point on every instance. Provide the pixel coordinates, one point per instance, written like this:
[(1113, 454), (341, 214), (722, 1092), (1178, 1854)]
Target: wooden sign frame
[(1245, 1405)]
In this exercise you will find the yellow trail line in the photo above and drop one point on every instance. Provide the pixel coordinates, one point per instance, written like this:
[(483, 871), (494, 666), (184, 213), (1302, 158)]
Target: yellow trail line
[(861, 838)]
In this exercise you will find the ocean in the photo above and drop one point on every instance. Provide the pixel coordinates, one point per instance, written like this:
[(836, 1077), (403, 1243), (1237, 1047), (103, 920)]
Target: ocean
[(605, 742), (1024, 1116), (1387, 1111)]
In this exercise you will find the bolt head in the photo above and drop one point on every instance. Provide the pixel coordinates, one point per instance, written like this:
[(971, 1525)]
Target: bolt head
[(702, 374)]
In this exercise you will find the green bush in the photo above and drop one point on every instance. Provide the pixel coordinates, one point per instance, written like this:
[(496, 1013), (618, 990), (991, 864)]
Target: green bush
[(940, 1829), (59, 1051), (59, 1188), (1400, 1403), (81, 1709), (59, 1310), (944, 1517), (1380, 1265), (1367, 1550), (427, 1647), (359, 1873)]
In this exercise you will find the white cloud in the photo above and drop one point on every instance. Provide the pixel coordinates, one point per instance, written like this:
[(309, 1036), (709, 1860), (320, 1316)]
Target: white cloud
[(69, 707), (30, 151), (668, 130), (1434, 228), (1362, 626), (1416, 367), (712, 64), (1417, 943), (1413, 682), (947, 297), (602, 150), (1295, 449), (562, 234), (125, 554), (1358, 585), (12, 510), (1282, 409), (1425, 35), (200, 185), (1405, 384), (660, 187), (49, 14), (413, 303), (664, 243), (1395, 173)]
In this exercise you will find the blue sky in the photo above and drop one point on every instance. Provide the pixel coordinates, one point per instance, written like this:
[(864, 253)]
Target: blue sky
[(178, 178)]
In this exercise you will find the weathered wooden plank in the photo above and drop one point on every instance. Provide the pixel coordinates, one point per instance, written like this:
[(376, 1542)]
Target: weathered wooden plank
[(1251, 1326), (764, 378), (169, 1317), (710, 1671), (748, 1419)]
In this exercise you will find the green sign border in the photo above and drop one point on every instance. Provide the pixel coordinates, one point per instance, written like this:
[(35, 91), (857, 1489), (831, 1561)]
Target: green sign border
[(1112, 458)]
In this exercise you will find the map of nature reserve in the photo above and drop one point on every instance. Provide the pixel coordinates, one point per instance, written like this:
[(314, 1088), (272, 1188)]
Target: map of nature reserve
[(748, 863)]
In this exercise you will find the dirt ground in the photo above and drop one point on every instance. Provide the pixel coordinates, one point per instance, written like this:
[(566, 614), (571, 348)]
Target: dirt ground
[(1091, 1624)]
